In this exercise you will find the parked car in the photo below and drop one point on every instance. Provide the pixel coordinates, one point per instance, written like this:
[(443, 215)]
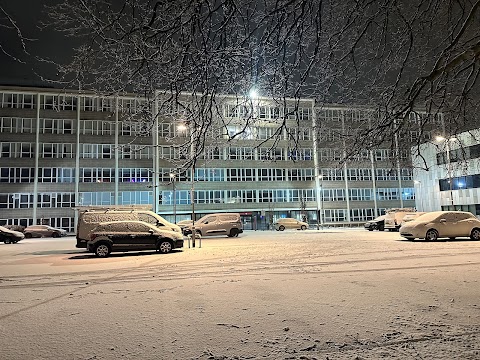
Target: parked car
[(228, 224), (289, 223), (376, 224), (442, 224), (89, 218), (184, 223), (36, 231), (131, 235), (394, 217), (10, 236), (411, 216)]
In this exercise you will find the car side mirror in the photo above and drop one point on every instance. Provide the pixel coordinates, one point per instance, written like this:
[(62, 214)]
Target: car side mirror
[(206, 222), (150, 231), (443, 220)]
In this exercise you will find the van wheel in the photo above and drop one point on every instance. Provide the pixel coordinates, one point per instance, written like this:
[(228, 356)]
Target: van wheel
[(102, 250), (431, 235), (233, 233), (164, 247), (281, 228)]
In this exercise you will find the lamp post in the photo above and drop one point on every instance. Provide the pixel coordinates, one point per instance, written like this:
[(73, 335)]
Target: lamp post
[(417, 184), (449, 164), (320, 178), (319, 194), (173, 179), (183, 127)]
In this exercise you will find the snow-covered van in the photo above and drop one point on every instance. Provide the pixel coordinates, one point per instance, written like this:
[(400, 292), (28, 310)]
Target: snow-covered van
[(394, 217), (90, 217)]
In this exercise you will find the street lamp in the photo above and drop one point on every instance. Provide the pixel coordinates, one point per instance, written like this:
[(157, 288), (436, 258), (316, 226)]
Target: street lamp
[(319, 193), (417, 183), (183, 127), (173, 179), (449, 163)]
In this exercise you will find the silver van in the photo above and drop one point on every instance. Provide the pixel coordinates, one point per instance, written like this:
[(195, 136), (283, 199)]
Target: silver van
[(228, 224), (90, 218)]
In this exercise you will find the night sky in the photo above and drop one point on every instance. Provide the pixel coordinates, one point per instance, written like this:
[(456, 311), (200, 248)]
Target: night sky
[(46, 44)]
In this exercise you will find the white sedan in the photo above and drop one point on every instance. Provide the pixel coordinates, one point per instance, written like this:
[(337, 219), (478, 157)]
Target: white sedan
[(442, 224)]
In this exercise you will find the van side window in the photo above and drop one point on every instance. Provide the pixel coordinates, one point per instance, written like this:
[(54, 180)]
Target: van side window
[(147, 218), (209, 219)]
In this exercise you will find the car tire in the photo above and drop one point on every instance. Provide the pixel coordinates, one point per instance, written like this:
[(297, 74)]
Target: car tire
[(164, 247), (6, 241), (381, 227), (370, 229), (56, 235), (475, 234), (233, 233), (281, 228), (28, 235), (303, 227), (102, 250), (431, 235)]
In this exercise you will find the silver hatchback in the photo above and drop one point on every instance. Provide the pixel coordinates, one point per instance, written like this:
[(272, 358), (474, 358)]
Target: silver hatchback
[(442, 224), (290, 223)]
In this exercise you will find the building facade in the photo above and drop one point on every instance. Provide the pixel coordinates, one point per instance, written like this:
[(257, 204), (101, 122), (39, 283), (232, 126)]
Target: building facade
[(64, 149), (452, 181)]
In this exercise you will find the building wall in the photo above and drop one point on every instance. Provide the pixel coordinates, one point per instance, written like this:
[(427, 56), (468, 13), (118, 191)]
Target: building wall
[(60, 150), (430, 196)]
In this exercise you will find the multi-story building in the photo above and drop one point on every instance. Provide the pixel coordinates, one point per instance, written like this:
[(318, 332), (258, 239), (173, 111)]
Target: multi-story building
[(452, 181), (64, 149)]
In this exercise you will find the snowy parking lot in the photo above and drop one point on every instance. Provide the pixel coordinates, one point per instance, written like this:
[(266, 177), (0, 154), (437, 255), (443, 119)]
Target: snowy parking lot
[(327, 294)]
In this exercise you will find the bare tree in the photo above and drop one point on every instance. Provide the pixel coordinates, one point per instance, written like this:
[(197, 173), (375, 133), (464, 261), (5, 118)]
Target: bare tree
[(9, 25), (398, 58)]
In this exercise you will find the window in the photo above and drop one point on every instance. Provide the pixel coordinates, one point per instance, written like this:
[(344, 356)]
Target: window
[(17, 175), (388, 194), (96, 198), (240, 175), (360, 194), (382, 154), (359, 174), (27, 150), (271, 174), (207, 174), (135, 197), (362, 214), (335, 215), (332, 174), (333, 194), (386, 174)]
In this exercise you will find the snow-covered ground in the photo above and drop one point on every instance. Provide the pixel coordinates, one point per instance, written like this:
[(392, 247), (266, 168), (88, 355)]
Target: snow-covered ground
[(328, 294)]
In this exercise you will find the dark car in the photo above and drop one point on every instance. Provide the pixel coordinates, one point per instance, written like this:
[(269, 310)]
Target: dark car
[(131, 235), (376, 224), (10, 236)]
